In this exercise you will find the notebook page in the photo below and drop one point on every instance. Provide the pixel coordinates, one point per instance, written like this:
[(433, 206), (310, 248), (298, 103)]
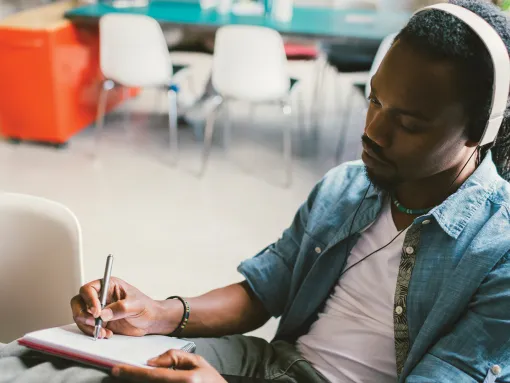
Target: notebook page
[(118, 349)]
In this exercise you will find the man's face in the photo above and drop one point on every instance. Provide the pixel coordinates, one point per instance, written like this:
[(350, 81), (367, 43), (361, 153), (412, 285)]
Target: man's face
[(416, 124)]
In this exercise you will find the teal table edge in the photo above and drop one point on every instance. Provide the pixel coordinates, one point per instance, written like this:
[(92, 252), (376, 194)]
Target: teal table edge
[(309, 22)]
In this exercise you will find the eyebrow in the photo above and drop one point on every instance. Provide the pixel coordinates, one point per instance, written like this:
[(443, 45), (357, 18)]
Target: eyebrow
[(404, 112)]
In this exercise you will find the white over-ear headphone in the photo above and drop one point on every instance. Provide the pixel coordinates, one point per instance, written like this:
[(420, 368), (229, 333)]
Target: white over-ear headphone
[(500, 60)]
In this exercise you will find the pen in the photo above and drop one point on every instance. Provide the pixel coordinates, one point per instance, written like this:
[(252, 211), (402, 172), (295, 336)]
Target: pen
[(104, 293)]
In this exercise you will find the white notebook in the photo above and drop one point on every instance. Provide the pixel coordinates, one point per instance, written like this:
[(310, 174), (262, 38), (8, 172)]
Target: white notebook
[(70, 343)]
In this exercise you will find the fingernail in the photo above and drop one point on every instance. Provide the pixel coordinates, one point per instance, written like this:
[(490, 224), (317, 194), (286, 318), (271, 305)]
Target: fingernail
[(115, 371), (106, 315)]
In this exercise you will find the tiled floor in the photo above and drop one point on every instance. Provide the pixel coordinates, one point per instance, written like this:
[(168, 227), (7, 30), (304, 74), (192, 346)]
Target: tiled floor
[(171, 232)]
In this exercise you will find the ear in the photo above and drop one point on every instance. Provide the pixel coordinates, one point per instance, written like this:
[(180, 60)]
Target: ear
[(473, 134), (471, 143)]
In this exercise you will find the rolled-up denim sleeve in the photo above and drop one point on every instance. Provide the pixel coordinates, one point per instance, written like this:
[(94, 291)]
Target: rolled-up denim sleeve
[(477, 349), (269, 273)]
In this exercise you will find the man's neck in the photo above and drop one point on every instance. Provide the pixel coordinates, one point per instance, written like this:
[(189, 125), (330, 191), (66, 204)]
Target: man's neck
[(432, 191)]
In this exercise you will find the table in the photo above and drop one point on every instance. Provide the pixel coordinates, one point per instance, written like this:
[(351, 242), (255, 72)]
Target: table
[(351, 27), (320, 23)]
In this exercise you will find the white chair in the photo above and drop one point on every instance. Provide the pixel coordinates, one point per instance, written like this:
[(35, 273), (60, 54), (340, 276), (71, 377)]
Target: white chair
[(249, 64), (364, 87), (134, 53), (40, 264)]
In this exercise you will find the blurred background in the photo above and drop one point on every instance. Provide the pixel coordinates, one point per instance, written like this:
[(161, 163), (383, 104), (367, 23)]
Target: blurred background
[(184, 135)]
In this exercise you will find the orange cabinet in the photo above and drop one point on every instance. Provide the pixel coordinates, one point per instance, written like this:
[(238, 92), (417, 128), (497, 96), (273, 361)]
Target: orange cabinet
[(49, 75)]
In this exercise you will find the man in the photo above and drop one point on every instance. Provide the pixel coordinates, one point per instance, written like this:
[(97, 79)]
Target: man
[(394, 269)]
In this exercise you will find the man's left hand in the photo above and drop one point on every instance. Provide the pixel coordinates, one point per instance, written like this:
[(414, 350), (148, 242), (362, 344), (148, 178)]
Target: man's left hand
[(188, 368)]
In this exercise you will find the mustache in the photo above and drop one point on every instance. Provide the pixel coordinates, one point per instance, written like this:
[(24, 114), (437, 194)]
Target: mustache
[(374, 147)]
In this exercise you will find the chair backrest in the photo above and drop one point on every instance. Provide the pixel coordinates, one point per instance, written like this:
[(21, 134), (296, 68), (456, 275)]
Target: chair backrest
[(40, 264), (355, 4), (249, 63), (133, 50), (337, 4), (379, 56)]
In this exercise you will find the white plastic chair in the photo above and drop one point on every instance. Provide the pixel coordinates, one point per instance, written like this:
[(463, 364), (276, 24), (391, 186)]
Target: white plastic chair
[(379, 56), (134, 53), (40, 264), (249, 64)]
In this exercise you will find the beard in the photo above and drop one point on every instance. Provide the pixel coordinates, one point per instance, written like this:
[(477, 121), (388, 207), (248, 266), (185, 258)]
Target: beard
[(381, 183)]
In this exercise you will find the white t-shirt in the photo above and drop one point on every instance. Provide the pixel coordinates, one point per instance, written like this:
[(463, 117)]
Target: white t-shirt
[(353, 338)]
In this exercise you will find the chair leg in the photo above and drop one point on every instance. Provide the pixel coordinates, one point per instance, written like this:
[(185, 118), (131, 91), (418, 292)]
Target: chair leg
[(287, 144), (192, 85), (172, 124), (127, 116), (338, 92), (345, 125), (300, 115), (106, 86), (208, 134), (316, 110), (227, 128)]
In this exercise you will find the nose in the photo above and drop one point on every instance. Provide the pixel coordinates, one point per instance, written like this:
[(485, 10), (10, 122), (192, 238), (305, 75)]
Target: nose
[(378, 127)]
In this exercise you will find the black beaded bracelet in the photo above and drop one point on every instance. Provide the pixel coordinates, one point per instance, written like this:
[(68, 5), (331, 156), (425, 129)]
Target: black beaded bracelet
[(185, 316)]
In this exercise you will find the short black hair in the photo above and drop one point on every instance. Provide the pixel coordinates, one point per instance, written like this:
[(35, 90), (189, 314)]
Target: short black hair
[(444, 36)]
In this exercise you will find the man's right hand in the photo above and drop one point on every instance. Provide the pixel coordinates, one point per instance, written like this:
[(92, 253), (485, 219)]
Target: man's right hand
[(128, 311)]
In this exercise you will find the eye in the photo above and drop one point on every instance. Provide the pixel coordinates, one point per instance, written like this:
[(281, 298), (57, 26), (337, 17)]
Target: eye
[(408, 129), (373, 100)]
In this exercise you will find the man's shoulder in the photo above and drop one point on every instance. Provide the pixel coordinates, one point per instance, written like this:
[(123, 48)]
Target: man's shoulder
[(500, 194), (499, 207), (349, 175)]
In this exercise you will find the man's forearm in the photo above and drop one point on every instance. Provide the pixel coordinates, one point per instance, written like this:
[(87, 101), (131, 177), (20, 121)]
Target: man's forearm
[(230, 310)]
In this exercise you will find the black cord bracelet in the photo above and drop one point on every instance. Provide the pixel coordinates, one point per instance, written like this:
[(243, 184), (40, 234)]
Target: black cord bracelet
[(185, 316)]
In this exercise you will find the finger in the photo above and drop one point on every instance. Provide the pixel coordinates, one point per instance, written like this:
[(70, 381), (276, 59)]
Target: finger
[(90, 295), (179, 359), (77, 305), (81, 317), (121, 309), (108, 333), (79, 310), (86, 321), (154, 375), (89, 330)]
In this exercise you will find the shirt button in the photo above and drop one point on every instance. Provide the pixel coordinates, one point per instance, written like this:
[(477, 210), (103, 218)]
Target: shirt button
[(409, 250), (426, 222), (399, 310), (496, 370), (318, 250)]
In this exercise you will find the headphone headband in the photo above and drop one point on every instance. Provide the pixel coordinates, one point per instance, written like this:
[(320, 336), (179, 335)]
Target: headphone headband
[(500, 59)]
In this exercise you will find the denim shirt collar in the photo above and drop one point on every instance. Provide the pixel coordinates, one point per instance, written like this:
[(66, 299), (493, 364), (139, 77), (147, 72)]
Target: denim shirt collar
[(470, 196), (452, 215), (455, 212)]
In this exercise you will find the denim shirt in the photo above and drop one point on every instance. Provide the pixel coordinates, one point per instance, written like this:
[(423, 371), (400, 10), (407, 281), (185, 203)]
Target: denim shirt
[(452, 298)]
